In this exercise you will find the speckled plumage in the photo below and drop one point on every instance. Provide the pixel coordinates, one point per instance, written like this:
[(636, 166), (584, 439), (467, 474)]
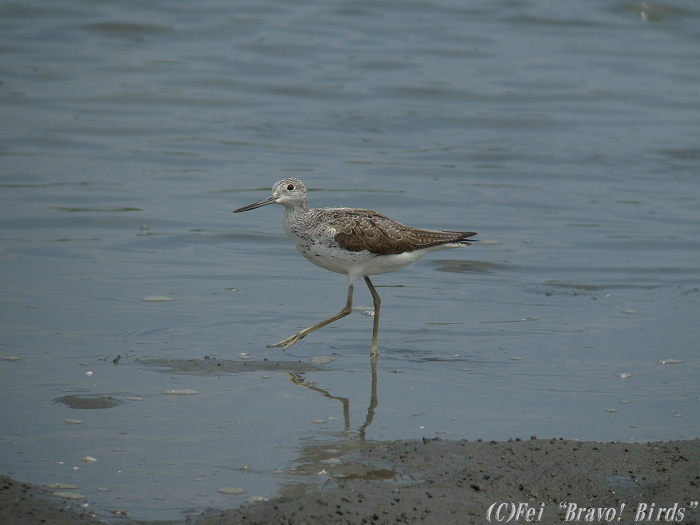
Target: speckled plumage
[(352, 241)]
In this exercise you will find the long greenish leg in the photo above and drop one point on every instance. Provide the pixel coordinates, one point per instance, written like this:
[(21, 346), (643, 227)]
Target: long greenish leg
[(374, 349), (286, 343)]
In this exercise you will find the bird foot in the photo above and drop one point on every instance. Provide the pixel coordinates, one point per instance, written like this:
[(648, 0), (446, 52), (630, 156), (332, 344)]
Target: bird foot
[(286, 343)]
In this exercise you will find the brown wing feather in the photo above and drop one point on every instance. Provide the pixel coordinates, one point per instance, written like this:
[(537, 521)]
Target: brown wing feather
[(359, 230)]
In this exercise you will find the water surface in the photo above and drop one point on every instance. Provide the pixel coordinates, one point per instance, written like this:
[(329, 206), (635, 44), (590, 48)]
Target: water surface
[(566, 135)]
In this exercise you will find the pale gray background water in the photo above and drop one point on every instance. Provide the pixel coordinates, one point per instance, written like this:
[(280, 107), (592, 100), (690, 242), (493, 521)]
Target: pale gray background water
[(566, 133)]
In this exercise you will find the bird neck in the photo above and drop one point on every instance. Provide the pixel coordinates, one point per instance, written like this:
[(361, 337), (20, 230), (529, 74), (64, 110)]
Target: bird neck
[(297, 212)]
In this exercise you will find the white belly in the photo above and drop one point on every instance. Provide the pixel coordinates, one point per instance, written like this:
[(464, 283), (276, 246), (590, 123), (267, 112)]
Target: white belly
[(358, 264)]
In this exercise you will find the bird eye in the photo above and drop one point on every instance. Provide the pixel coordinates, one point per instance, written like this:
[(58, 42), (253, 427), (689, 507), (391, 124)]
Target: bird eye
[(290, 187)]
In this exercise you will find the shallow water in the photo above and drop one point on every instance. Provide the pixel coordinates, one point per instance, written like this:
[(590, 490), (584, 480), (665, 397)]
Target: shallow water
[(566, 135)]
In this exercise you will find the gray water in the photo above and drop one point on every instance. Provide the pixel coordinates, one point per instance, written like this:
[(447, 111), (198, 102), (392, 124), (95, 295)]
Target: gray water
[(567, 134)]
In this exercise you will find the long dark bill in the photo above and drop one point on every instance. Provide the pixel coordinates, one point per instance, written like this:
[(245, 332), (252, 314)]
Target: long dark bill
[(269, 200)]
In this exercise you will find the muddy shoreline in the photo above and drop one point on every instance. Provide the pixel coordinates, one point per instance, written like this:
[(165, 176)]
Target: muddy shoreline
[(463, 482)]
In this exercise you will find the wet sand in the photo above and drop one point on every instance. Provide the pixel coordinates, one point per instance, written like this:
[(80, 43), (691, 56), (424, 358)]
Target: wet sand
[(457, 482)]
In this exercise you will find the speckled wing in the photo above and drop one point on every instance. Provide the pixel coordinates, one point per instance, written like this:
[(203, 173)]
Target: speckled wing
[(358, 230)]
